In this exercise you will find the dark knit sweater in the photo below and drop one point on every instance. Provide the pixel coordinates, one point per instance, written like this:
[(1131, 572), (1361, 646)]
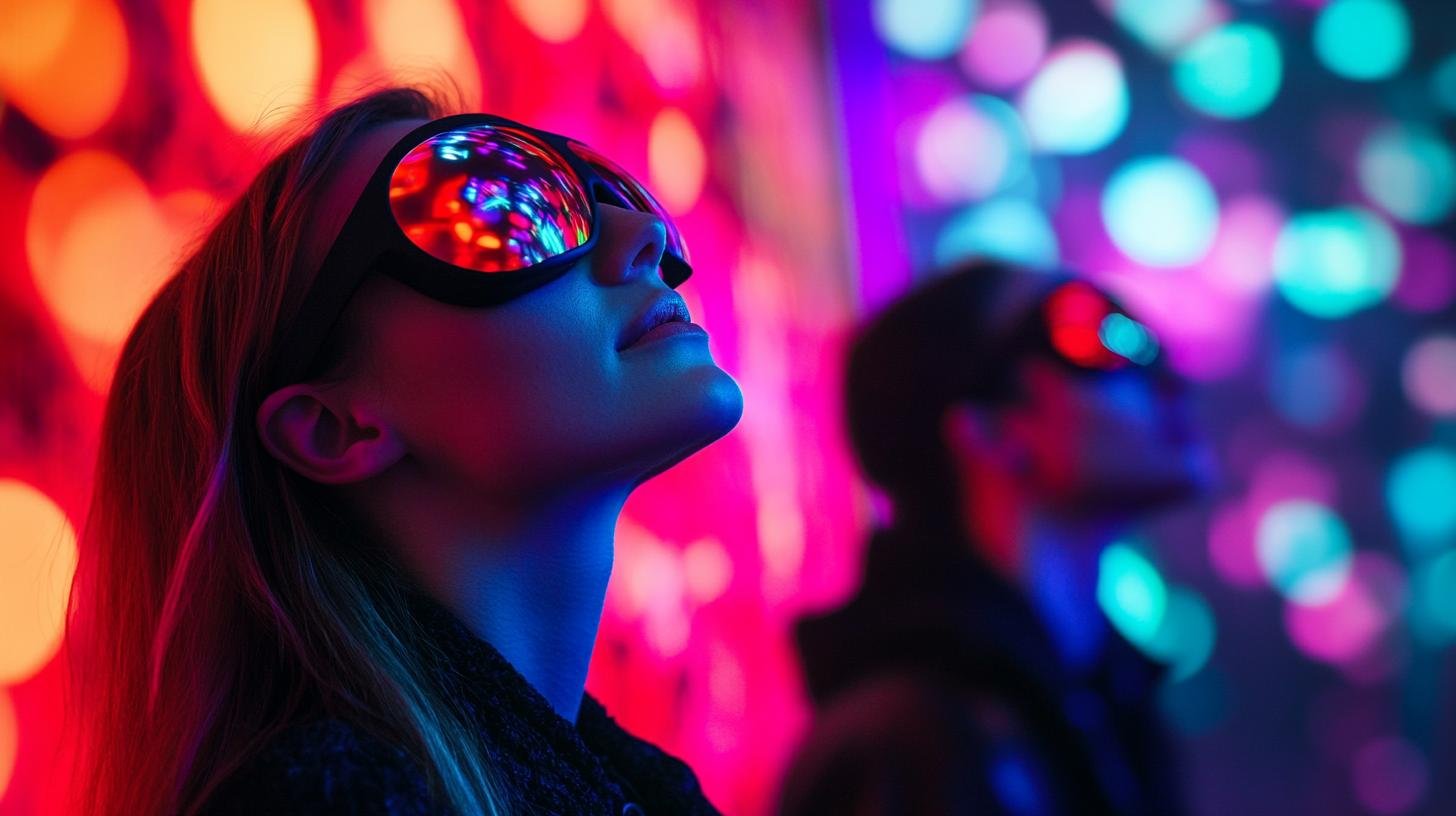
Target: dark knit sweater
[(546, 765)]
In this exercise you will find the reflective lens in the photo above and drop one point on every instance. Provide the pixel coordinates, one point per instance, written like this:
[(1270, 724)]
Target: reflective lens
[(492, 199), (633, 195), (1089, 330)]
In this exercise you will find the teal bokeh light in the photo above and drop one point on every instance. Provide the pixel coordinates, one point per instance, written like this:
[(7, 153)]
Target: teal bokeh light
[(1160, 24), (1078, 102), (924, 29), (1433, 599), (1443, 84), (1131, 593), (1232, 72), (1410, 171), (1333, 263), (1129, 338), (1421, 492), (1363, 39), (1161, 211), (1186, 636), (1304, 550), (1007, 229)]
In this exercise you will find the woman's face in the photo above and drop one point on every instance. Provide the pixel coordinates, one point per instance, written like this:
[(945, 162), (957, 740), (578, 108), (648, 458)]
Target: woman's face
[(556, 389)]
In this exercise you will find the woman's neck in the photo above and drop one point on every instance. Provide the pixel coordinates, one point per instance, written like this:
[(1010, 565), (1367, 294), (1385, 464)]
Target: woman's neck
[(529, 580)]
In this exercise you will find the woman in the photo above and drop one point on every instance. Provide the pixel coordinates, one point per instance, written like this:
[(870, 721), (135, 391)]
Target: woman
[(361, 466)]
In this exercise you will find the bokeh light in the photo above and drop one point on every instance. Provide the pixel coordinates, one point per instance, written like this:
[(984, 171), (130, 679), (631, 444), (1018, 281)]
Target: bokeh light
[(1428, 274), (677, 163), (1232, 72), (1007, 229), (971, 147), (1316, 387), (925, 29), (1304, 550), (65, 63), (1421, 491), (1126, 337), (1390, 776), (1429, 375), (1186, 635), (1078, 102), (1333, 263), (1346, 626), (87, 209), (1161, 211), (1131, 593), (1162, 25), (555, 21), (424, 42), (37, 560), (1410, 171), (1433, 599), (1007, 44), (256, 59), (1443, 84), (1362, 39)]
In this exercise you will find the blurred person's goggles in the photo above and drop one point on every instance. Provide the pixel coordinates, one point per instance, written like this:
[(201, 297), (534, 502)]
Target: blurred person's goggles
[(1084, 329), (472, 210)]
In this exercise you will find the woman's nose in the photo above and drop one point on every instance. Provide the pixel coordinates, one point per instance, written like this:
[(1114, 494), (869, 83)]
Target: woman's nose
[(630, 246)]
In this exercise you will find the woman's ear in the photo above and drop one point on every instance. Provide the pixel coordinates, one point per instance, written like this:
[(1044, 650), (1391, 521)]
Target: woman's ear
[(324, 436)]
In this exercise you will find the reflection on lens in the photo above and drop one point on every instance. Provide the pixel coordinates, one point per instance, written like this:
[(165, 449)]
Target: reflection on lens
[(633, 195), (491, 199)]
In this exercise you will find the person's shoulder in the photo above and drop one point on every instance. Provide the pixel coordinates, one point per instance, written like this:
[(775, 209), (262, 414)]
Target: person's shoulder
[(326, 766)]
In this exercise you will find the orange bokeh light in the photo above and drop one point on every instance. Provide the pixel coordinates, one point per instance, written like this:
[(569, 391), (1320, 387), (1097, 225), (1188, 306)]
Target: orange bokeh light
[(99, 246), (64, 63), (256, 59), (556, 21), (676, 160), (37, 560), (421, 41)]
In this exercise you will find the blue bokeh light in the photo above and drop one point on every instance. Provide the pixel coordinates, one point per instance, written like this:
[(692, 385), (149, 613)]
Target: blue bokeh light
[(1232, 72), (1161, 24), (1421, 492), (1008, 229), (1410, 171), (1161, 211), (925, 29), (1304, 550), (1078, 103), (1363, 39), (1131, 593), (1333, 263)]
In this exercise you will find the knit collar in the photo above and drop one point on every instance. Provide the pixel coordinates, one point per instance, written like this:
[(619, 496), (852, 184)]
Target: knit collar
[(548, 765)]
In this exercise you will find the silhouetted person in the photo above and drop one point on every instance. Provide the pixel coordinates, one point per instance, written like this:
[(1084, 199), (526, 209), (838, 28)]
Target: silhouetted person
[(974, 672)]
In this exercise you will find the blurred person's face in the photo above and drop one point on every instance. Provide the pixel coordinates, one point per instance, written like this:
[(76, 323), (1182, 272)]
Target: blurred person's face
[(1083, 441)]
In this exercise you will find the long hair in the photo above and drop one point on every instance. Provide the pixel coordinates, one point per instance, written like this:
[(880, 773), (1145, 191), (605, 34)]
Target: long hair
[(219, 594)]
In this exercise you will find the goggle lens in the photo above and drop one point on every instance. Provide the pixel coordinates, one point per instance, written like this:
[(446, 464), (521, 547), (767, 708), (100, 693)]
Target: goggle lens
[(491, 199), (633, 195), (1089, 330)]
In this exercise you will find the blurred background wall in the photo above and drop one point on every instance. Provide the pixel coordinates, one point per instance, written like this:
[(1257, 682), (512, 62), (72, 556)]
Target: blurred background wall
[(1270, 183)]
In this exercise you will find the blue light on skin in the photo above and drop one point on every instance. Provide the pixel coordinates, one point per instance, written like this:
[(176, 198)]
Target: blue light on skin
[(1410, 171), (1363, 40), (1232, 72), (1064, 592), (1161, 211), (1304, 550), (1009, 229), (924, 29), (1421, 492), (1333, 263)]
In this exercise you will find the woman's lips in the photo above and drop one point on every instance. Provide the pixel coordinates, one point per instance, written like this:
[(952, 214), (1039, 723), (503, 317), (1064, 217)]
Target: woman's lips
[(670, 329)]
